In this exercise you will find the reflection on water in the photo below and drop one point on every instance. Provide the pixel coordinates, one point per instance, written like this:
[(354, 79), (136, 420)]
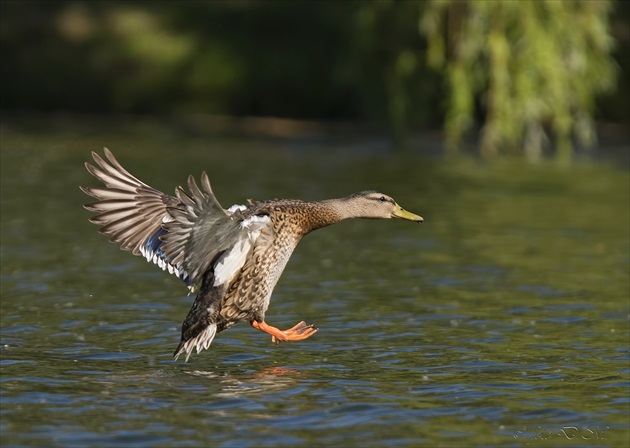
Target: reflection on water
[(503, 320), (270, 379)]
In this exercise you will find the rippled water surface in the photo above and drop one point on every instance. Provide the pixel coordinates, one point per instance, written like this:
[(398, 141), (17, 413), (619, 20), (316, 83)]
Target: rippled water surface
[(503, 320)]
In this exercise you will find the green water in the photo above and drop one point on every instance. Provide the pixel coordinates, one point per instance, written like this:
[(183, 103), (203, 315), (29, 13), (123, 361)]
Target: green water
[(503, 320)]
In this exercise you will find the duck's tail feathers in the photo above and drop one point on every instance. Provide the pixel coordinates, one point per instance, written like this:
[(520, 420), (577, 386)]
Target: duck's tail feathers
[(200, 342), (200, 326)]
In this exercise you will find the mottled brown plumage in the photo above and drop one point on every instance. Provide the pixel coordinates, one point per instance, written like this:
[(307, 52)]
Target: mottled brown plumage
[(247, 296), (232, 258)]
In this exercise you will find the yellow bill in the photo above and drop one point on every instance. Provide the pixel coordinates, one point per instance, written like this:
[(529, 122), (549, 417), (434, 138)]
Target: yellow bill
[(401, 213)]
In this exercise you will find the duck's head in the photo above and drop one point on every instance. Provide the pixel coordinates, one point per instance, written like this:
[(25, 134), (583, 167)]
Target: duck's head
[(373, 204)]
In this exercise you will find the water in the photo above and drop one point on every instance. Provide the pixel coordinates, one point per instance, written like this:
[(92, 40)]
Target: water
[(503, 320)]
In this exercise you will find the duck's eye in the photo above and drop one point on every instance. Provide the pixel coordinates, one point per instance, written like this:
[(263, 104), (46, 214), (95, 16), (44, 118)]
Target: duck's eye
[(383, 199)]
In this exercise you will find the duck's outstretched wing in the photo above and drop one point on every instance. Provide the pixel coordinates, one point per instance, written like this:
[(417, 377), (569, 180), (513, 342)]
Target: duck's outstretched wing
[(132, 213), (129, 211), (187, 234), (200, 231)]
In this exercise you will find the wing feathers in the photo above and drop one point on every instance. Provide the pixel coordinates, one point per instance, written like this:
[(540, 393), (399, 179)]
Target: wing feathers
[(129, 211), (201, 229), (184, 198), (205, 183), (197, 195), (105, 193), (184, 234), (111, 204)]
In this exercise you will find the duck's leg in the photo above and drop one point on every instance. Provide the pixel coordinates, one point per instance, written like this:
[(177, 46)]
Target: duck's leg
[(296, 333)]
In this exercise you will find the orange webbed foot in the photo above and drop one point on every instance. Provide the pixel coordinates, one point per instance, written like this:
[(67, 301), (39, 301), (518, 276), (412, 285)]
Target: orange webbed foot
[(298, 332)]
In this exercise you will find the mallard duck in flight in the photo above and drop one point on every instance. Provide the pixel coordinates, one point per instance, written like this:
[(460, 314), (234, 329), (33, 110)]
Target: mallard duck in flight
[(231, 258)]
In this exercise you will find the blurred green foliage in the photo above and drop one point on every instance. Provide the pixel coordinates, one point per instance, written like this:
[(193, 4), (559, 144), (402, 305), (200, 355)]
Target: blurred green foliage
[(537, 65), (517, 70)]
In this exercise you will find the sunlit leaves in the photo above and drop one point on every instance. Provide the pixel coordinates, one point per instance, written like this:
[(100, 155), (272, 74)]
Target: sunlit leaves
[(534, 66)]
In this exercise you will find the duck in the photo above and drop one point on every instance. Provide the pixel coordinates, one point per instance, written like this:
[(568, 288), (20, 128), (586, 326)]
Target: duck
[(230, 258)]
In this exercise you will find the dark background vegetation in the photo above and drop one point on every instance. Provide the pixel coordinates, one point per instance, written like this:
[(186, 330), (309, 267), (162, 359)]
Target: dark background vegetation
[(350, 61)]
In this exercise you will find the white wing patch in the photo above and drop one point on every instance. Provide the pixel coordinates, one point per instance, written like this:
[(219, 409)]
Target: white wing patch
[(156, 257), (236, 207), (152, 251), (231, 262)]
